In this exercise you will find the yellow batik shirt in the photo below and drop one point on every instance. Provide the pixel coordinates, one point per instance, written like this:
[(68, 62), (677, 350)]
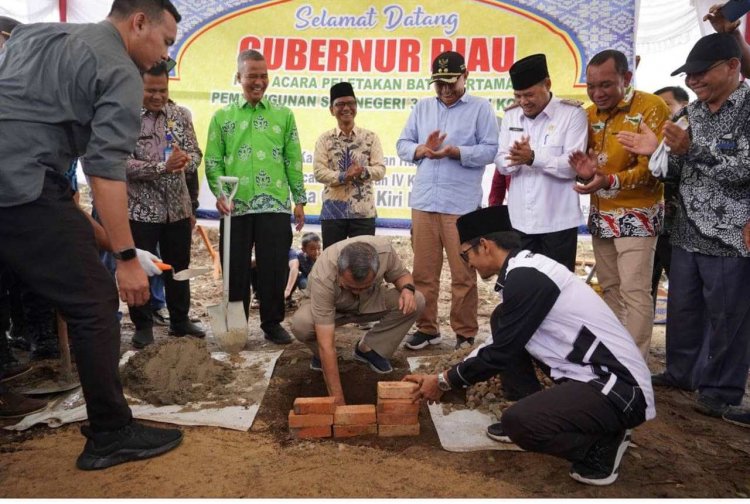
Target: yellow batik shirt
[(633, 206)]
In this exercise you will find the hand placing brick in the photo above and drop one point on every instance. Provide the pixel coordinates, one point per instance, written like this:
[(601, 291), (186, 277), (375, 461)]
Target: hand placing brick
[(357, 414), (396, 389), (314, 405)]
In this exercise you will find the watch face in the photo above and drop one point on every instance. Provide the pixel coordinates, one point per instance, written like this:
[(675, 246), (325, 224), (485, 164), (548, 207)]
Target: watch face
[(125, 255)]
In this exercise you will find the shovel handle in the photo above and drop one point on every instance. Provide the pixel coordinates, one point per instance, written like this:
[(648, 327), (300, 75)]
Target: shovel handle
[(162, 266), (62, 336), (234, 183)]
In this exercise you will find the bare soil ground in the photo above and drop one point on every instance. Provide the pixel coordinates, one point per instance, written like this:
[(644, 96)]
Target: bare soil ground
[(679, 454)]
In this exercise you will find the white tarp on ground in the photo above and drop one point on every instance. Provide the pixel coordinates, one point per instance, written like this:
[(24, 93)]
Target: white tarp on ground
[(71, 407)]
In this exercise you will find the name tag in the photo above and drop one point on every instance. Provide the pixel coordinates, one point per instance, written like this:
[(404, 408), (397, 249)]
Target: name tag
[(516, 129), (727, 145)]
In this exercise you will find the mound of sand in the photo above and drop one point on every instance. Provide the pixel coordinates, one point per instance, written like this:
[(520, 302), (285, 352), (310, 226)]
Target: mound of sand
[(178, 371)]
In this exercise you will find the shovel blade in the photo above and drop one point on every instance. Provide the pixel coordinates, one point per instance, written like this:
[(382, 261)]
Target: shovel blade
[(236, 318), (217, 317), (189, 273), (229, 326)]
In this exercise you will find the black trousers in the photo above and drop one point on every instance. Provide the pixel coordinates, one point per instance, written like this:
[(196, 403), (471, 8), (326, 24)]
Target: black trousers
[(49, 243), (174, 244), (271, 235), (336, 230), (559, 245), (566, 420), (662, 261)]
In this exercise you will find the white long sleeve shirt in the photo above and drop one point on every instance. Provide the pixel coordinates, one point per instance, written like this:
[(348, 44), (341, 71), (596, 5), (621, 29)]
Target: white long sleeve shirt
[(541, 198)]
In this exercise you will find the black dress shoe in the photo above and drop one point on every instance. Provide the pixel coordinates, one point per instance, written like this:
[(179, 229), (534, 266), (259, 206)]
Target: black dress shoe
[(143, 337), (187, 328), (277, 335)]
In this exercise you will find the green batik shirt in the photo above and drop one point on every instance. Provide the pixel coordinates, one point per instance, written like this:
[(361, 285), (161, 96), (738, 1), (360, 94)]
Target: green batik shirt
[(260, 146)]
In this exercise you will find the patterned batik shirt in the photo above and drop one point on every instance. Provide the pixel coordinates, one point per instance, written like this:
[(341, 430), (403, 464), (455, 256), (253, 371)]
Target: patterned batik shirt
[(155, 195), (259, 145), (634, 205), (335, 152), (714, 178)]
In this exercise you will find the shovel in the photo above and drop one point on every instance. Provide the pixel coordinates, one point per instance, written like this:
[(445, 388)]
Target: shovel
[(183, 275), (228, 320)]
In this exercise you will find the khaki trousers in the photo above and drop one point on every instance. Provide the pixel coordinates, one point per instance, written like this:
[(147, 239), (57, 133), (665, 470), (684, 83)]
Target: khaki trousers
[(431, 233), (623, 268), (384, 337)]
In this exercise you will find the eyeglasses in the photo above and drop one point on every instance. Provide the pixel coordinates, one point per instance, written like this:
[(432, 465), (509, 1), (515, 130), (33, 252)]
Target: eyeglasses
[(700, 75), (465, 253), (351, 104)]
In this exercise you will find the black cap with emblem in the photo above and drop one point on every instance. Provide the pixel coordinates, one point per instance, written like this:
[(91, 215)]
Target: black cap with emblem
[(528, 71), (483, 222), (448, 67)]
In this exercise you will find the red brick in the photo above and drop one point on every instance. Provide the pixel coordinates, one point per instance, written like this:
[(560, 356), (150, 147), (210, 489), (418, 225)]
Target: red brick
[(321, 431), (314, 405), (357, 414), (393, 419), (396, 389), (398, 406), (340, 431), (299, 421), (398, 430)]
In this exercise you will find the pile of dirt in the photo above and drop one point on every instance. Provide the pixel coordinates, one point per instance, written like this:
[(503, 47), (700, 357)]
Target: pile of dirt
[(178, 371)]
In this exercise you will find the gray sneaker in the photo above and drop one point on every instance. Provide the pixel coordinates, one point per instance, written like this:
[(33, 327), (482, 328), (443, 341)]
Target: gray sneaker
[(419, 340)]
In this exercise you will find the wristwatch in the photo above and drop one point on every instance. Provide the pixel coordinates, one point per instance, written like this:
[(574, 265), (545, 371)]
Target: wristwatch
[(443, 384), (125, 255), (410, 287)]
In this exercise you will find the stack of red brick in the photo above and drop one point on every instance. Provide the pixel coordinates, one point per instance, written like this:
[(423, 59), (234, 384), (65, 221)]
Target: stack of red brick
[(319, 417), (397, 414)]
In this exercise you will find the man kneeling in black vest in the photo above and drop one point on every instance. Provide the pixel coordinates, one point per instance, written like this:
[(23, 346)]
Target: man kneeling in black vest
[(603, 386)]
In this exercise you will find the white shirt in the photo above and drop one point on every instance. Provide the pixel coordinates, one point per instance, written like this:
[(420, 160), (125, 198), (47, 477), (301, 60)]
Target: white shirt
[(541, 198)]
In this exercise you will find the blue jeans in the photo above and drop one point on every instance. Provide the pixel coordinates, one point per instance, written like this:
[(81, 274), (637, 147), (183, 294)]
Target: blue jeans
[(708, 324)]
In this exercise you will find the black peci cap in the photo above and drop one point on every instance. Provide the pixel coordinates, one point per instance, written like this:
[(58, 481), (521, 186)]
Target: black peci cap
[(483, 222), (528, 71), (341, 89)]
